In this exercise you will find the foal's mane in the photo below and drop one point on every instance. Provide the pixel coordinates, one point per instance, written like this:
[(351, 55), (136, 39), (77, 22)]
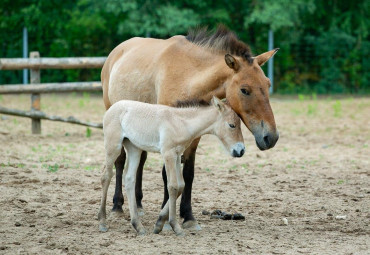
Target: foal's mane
[(194, 103), (222, 40)]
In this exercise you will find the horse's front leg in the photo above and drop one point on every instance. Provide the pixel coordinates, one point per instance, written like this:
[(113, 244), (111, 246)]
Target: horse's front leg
[(188, 173), (139, 181)]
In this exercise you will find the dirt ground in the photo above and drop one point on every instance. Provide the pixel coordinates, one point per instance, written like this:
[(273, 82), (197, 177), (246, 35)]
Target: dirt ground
[(319, 169)]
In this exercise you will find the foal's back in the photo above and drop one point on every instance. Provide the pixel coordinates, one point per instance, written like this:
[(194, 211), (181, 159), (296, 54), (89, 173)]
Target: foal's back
[(143, 124)]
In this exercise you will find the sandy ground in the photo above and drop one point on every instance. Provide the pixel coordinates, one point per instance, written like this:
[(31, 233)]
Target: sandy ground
[(319, 169)]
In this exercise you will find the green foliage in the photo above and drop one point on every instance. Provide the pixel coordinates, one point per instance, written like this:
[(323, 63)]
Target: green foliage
[(279, 13), (324, 44)]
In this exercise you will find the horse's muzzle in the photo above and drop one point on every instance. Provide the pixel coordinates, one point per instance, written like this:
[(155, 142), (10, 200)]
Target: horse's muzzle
[(267, 141)]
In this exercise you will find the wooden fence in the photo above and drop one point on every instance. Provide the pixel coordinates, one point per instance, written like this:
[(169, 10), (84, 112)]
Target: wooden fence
[(35, 63)]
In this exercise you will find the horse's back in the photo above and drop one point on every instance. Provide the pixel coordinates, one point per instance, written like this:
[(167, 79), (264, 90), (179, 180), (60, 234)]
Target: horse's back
[(132, 70)]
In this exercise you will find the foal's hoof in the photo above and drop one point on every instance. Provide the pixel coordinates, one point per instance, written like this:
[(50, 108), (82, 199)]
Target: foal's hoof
[(140, 211), (167, 226), (103, 228), (180, 233), (141, 232), (157, 230), (191, 225)]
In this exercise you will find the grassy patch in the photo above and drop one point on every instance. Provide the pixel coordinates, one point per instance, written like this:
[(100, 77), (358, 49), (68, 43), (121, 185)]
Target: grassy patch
[(88, 132), (51, 168), (337, 107)]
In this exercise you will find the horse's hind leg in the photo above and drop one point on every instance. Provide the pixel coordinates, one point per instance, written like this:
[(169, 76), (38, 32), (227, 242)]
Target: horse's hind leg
[(118, 196), (188, 173), (139, 181), (133, 161)]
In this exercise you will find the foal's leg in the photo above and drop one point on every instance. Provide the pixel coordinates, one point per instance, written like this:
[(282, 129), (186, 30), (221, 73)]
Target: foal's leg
[(112, 152), (188, 173), (133, 160), (175, 186), (118, 196)]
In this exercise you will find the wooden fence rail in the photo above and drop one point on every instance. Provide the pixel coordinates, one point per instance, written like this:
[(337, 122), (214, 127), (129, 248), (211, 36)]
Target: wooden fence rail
[(51, 87), (51, 63), (35, 63), (42, 115)]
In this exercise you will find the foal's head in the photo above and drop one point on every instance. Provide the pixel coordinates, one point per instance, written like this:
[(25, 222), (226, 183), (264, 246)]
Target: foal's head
[(227, 128)]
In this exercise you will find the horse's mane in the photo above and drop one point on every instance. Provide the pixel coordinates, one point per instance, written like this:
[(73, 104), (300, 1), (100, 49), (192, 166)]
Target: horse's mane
[(191, 103), (222, 40)]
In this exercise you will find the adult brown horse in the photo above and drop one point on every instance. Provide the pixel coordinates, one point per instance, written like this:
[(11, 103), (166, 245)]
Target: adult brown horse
[(196, 67)]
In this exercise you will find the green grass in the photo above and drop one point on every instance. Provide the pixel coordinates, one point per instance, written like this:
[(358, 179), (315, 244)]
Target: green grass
[(88, 132), (312, 109), (51, 168), (337, 107)]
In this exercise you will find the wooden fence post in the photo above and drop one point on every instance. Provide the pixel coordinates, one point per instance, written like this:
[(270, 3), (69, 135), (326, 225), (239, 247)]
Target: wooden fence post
[(35, 98)]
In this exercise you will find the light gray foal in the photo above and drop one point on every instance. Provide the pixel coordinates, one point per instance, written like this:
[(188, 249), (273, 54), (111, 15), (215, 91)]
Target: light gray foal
[(157, 128)]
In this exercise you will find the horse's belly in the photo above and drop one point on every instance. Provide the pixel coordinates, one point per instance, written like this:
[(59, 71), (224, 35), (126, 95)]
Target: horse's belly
[(131, 85)]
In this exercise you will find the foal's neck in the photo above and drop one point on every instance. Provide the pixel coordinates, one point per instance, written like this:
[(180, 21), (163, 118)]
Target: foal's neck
[(200, 120)]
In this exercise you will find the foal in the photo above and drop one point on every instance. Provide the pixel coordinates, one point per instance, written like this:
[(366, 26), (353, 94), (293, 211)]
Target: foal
[(157, 128)]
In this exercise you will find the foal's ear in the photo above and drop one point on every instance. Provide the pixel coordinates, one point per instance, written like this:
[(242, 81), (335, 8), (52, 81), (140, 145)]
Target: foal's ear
[(231, 62), (218, 104)]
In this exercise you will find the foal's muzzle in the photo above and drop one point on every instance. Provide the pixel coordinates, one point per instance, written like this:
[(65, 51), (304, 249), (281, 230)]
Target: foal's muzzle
[(238, 150)]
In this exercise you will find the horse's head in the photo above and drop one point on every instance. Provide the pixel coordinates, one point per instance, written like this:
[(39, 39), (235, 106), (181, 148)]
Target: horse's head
[(227, 128), (248, 94)]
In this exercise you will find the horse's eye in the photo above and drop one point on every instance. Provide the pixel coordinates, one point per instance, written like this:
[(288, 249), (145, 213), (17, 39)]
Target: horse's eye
[(232, 125), (245, 92)]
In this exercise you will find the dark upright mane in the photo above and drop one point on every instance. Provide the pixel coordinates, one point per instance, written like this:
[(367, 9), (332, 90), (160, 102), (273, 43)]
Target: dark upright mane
[(222, 40), (190, 103)]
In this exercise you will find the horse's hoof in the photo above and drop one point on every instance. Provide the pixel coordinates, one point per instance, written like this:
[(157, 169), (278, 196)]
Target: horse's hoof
[(116, 214), (117, 208), (140, 211), (191, 225), (103, 228)]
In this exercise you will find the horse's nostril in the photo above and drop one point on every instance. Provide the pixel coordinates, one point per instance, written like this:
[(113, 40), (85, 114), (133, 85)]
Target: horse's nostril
[(235, 153), (266, 140)]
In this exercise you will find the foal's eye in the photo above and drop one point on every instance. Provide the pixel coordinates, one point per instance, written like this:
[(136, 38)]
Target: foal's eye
[(245, 92), (232, 125)]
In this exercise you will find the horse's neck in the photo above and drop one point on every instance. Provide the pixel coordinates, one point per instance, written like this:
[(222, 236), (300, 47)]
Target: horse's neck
[(212, 80), (199, 121)]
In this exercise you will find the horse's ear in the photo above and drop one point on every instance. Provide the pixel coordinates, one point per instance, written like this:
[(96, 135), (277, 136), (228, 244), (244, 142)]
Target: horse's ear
[(264, 57), (218, 103), (231, 62)]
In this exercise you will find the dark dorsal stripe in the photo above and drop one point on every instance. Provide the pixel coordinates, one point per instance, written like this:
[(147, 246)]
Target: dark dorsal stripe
[(191, 103), (222, 40)]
